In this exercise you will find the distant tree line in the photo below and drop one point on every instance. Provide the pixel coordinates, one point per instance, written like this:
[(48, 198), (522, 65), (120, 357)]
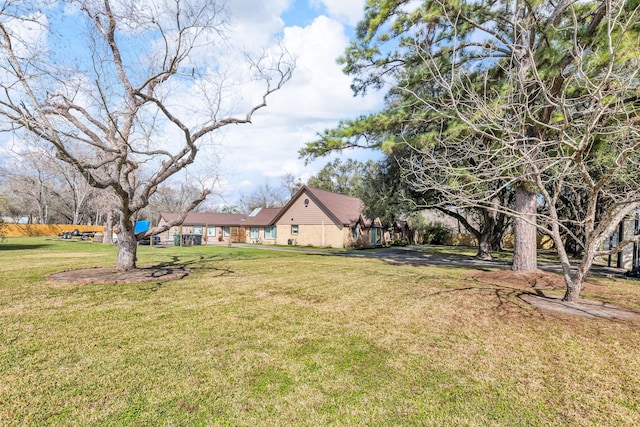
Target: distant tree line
[(38, 188)]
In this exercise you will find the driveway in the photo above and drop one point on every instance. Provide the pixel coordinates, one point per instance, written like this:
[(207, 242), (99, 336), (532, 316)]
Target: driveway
[(411, 255)]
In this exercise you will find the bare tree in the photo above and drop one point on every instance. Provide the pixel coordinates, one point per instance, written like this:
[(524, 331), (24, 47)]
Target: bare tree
[(104, 205), (291, 183), (47, 189), (264, 196), (142, 90), (174, 197), (32, 186), (559, 135), (8, 201), (73, 191)]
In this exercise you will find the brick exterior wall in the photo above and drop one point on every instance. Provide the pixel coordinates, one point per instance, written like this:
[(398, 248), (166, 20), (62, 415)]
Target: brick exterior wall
[(315, 227), (328, 235)]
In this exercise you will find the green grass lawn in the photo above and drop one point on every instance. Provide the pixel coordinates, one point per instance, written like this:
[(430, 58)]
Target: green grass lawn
[(255, 337)]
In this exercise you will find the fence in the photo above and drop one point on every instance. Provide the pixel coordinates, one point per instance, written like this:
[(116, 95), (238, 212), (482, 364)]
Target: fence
[(457, 239), (22, 230)]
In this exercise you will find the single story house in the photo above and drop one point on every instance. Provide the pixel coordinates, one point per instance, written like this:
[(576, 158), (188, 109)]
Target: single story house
[(316, 217), (312, 217), (259, 227), (210, 227)]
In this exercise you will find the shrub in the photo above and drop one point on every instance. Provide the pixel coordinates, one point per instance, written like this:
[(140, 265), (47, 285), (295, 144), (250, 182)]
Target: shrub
[(434, 234), (361, 243), (399, 242)]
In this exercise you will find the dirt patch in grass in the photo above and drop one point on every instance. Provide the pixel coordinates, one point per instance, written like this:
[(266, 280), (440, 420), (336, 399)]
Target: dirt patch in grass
[(535, 283), (538, 279), (111, 275), (583, 307)]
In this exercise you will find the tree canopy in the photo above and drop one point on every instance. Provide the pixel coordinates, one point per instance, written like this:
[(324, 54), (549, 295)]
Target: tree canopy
[(537, 98), (344, 177), (127, 92)]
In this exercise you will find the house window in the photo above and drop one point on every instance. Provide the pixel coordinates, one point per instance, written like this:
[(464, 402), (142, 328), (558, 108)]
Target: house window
[(211, 231), (227, 231), (376, 235), (197, 229), (270, 232), (355, 232), (255, 233), (294, 229)]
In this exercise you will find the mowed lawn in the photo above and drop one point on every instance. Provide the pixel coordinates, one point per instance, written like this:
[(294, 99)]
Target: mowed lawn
[(255, 337)]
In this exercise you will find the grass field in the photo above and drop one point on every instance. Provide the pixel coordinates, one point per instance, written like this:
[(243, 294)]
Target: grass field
[(255, 337)]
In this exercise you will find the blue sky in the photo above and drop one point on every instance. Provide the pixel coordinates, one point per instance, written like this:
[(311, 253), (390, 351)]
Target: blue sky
[(316, 32), (317, 97), (301, 13)]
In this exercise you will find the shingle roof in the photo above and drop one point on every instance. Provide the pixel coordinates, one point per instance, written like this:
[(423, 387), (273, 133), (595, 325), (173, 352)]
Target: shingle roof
[(262, 218), (197, 218), (343, 209), (346, 209)]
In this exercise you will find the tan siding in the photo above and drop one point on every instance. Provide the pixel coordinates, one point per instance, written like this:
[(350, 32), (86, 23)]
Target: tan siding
[(301, 215), (248, 238), (261, 239), (328, 235)]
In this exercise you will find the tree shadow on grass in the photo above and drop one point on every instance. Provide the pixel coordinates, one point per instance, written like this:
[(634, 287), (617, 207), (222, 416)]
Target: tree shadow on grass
[(535, 300), (171, 268), (20, 247), (210, 262), (503, 301), (201, 263)]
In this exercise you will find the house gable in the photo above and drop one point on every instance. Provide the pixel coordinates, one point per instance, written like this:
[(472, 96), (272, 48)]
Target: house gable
[(306, 210), (312, 217), (311, 206)]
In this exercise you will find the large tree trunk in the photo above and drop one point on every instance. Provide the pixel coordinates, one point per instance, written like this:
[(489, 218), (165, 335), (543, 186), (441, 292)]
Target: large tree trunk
[(496, 240), (498, 231), (574, 286), (484, 245), (485, 234), (108, 229), (127, 246), (525, 251), (573, 283)]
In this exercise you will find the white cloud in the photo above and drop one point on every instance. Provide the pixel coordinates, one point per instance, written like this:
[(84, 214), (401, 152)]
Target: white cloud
[(28, 34), (316, 98), (348, 11), (255, 22), (319, 88)]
